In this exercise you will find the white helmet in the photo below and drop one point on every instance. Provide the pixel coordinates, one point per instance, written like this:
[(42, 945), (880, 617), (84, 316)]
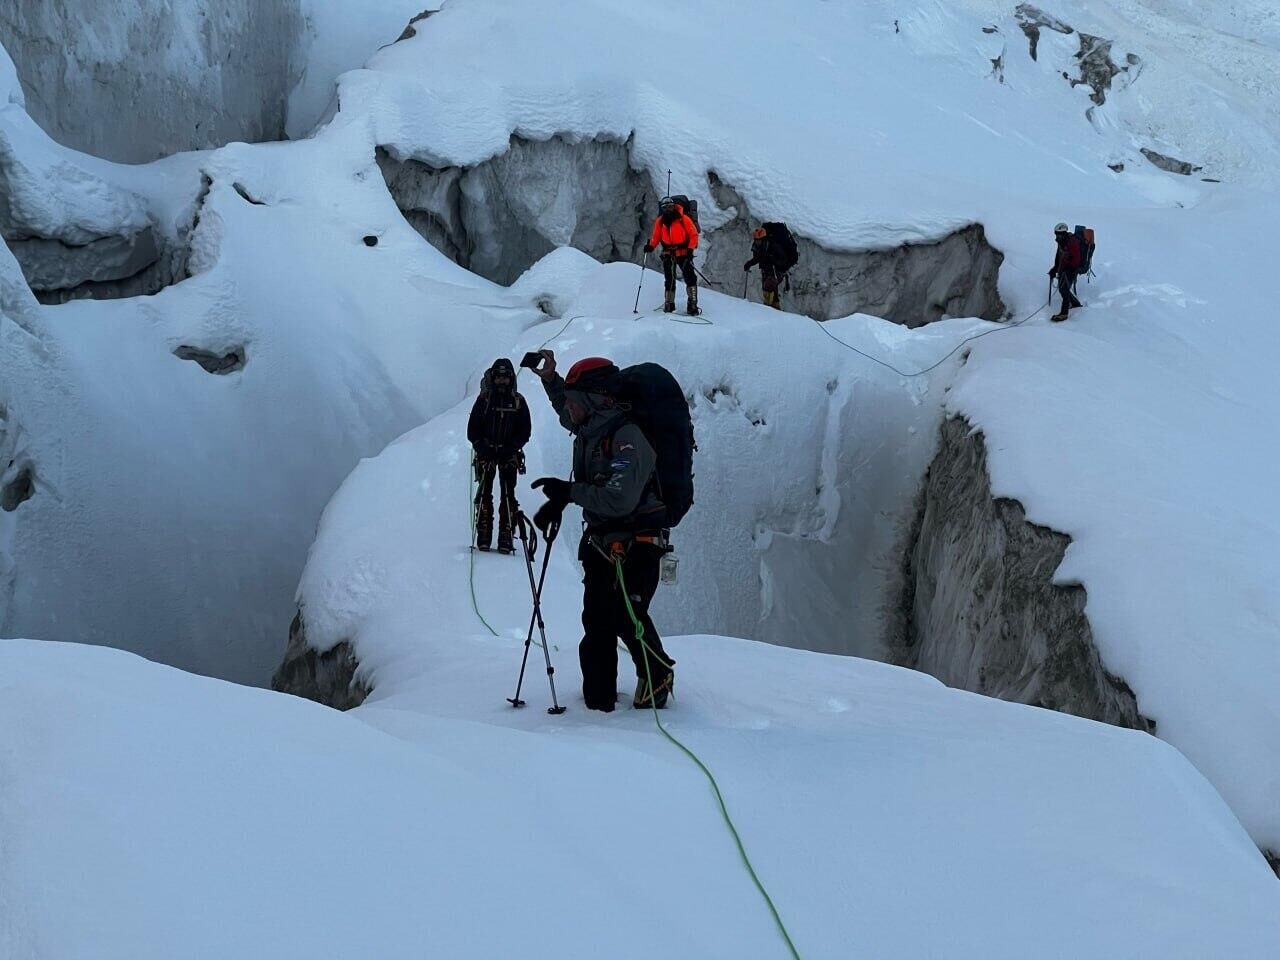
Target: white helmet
[(1062, 228)]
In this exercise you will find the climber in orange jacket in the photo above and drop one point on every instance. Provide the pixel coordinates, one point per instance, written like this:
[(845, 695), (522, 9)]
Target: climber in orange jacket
[(678, 235)]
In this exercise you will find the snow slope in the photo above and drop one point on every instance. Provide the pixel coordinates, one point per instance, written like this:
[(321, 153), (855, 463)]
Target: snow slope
[(338, 36), (1138, 430), (885, 161), (766, 390), (152, 814), (174, 506), (171, 508)]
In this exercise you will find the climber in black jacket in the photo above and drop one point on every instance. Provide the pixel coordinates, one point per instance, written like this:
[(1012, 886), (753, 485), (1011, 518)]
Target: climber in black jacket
[(498, 430)]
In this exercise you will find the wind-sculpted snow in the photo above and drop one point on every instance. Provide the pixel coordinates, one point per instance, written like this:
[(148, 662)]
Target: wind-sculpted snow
[(804, 483), (176, 507), (435, 820)]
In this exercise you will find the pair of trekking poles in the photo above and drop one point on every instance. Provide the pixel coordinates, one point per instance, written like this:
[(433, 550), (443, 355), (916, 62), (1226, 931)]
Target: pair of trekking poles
[(529, 543), (644, 265)]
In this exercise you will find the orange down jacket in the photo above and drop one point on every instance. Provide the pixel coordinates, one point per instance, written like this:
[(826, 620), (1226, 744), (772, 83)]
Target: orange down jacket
[(681, 233)]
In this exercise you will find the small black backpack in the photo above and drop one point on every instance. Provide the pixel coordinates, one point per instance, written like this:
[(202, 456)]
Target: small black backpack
[(655, 402), (690, 207), (785, 241)]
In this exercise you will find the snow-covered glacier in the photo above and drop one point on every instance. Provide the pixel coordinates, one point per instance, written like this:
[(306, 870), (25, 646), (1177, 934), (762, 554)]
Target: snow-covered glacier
[(195, 351)]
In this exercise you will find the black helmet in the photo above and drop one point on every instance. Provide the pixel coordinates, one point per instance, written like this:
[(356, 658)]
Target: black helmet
[(502, 367)]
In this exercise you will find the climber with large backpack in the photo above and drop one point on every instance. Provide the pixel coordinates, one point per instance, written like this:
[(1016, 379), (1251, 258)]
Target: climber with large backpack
[(633, 478), (1074, 257), (774, 248), (497, 429), (677, 231)]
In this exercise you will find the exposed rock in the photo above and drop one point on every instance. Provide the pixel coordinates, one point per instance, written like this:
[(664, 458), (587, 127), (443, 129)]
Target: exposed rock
[(1032, 20), (1097, 69), (144, 79), (410, 30), (243, 191), (212, 362), (19, 485), (502, 216), (911, 284), (330, 678), (1170, 164), (980, 610)]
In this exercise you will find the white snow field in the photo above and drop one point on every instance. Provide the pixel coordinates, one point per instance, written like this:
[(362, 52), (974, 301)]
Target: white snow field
[(178, 503), (1135, 429), (146, 812), (149, 813)]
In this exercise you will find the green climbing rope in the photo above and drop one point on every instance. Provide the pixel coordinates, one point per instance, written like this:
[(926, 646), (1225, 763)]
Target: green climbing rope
[(724, 810), (471, 550)]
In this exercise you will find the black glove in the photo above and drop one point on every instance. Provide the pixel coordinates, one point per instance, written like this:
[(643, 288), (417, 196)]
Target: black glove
[(1053, 273), (557, 491), (648, 248), (547, 514), (748, 265)]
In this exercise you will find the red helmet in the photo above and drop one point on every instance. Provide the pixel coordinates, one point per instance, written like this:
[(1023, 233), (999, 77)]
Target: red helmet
[(590, 372)]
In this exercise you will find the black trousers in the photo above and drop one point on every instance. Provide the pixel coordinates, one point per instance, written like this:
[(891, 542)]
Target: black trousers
[(506, 473), (605, 620), (669, 264), (1066, 281)]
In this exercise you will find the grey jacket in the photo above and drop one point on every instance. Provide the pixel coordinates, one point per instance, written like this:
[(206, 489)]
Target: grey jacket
[(613, 477)]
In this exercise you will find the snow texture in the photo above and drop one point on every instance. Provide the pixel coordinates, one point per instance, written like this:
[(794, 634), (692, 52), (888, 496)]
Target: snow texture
[(176, 505), (438, 821), (340, 35), (169, 509), (133, 80)]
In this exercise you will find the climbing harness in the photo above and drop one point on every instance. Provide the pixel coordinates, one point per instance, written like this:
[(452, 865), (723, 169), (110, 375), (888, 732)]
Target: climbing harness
[(715, 787)]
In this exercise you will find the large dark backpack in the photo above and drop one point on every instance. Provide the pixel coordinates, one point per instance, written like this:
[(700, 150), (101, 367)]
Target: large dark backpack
[(785, 241), (690, 207), (1086, 239), (655, 403)]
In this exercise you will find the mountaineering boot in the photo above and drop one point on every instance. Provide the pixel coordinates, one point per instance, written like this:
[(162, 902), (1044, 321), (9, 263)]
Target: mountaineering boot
[(669, 301), (505, 544), (773, 299), (691, 303), (663, 683), (484, 525), (1059, 316)]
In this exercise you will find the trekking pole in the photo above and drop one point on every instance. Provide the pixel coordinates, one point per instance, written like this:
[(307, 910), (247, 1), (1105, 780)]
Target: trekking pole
[(530, 542), (704, 276), (746, 278), (644, 264)]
